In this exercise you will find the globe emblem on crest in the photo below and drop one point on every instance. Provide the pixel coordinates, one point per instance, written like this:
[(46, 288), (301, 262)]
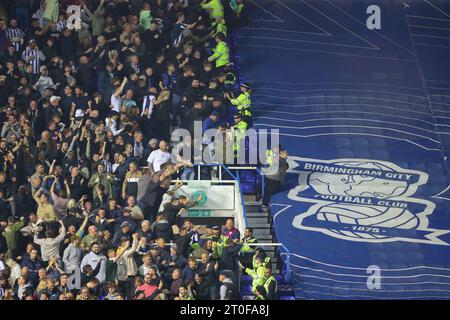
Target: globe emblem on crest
[(373, 216), (199, 194)]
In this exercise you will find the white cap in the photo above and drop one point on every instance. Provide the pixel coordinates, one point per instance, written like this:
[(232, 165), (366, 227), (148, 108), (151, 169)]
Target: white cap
[(79, 113), (53, 98)]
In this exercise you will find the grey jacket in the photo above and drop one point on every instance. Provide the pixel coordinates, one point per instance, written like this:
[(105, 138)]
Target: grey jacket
[(71, 257), (50, 246)]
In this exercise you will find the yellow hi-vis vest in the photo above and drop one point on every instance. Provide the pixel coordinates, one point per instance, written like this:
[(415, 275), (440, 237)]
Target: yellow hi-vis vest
[(220, 28), (239, 134), (220, 245), (221, 54), (215, 8), (266, 261), (257, 276), (243, 103), (267, 283), (246, 248)]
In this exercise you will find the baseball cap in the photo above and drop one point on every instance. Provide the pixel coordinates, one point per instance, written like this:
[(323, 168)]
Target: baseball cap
[(79, 113), (142, 77), (246, 85), (215, 113), (260, 257), (53, 98), (31, 41), (124, 224), (42, 68)]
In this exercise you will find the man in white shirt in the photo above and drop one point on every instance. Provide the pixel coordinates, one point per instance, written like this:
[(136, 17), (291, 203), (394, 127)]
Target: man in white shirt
[(93, 258), (116, 99), (147, 110), (158, 157), (111, 123)]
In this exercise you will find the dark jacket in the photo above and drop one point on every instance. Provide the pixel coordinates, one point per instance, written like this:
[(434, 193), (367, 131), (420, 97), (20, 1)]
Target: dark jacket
[(228, 258), (163, 230), (175, 288), (3, 243), (33, 267), (201, 290)]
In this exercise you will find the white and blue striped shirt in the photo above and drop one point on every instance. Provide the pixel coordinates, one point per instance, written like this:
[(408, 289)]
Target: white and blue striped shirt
[(60, 25), (34, 57), (14, 35)]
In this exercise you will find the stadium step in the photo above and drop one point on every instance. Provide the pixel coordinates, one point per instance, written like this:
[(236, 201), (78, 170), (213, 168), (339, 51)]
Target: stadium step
[(265, 238), (252, 206), (260, 226), (253, 221), (261, 232), (251, 214)]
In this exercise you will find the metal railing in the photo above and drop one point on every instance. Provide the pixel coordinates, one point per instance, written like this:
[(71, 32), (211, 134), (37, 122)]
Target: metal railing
[(242, 224), (221, 168), (287, 264)]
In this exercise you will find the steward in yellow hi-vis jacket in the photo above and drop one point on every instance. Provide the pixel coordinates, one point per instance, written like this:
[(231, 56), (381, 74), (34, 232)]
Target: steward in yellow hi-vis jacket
[(220, 27), (243, 102), (238, 130), (247, 250), (221, 53), (272, 154), (214, 7), (257, 272), (270, 284)]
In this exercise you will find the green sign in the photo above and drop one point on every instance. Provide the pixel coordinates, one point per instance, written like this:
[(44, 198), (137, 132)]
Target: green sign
[(199, 196), (196, 213)]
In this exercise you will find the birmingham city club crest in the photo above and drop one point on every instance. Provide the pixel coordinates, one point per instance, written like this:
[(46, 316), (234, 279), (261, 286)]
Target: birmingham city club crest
[(363, 200)]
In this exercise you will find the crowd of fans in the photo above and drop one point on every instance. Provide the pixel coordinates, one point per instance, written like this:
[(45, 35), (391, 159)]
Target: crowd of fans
[(87, 209)]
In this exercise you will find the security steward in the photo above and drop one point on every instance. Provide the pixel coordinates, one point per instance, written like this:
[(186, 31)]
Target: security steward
[(243, 102)]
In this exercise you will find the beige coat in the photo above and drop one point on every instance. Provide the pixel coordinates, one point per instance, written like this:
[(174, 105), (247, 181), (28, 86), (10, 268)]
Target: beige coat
[(128, 258)]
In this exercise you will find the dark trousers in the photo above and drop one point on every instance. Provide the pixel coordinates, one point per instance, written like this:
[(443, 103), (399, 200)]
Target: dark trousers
[(271, 187), (127, 287), (147, 126)]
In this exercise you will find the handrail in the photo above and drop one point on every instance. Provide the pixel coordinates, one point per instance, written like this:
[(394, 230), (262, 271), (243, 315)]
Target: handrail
[(244, 210), (262, 180), (288, 271), (221, 165), (286, 264)]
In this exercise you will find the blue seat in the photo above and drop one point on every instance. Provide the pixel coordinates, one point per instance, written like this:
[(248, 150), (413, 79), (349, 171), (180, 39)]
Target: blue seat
[(285, 292), (287, 298)]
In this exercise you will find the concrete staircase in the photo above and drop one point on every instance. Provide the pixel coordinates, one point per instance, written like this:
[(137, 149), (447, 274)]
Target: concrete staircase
[(261, 223), (262, 230)]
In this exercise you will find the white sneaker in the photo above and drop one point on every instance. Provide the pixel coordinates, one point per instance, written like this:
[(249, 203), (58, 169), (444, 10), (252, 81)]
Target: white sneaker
[(264, 208)]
